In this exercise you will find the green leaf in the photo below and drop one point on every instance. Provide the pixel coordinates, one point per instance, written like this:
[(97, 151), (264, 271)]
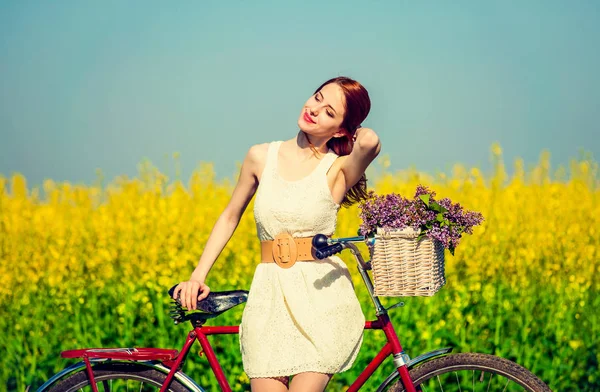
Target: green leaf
[(438, 208), (440, 217), (425, 199)]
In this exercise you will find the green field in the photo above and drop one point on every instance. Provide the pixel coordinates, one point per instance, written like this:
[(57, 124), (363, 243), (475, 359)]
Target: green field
[(89, 266)]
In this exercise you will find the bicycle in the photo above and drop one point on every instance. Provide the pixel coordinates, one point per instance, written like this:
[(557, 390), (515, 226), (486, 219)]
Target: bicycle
[(157, 368)]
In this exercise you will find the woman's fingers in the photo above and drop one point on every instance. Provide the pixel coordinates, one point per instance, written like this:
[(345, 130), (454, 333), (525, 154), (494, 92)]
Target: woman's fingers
[(205, 290), (181, 293), (193, 291), (188, 296), (190, 293), (183, 296), (176, 291), (195, 297)]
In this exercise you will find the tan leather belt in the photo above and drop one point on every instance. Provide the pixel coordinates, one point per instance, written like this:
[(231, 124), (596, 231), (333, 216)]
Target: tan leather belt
[(285, 250)]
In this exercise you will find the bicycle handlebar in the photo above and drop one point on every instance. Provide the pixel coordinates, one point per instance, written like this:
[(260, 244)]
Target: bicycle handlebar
[(329, 251), (326, 247)]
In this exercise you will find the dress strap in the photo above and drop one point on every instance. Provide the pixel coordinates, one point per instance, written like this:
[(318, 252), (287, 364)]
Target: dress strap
[(269, 169), (273, 151), (272, 155)]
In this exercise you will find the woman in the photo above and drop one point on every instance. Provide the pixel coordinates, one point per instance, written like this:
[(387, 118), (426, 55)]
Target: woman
[(302, 317)]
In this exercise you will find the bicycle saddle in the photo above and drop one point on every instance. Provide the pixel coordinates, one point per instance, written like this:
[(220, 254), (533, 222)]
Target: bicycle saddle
[(219, 301)]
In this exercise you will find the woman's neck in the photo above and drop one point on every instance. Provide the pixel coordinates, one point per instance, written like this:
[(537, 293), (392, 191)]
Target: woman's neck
[(305, 142)]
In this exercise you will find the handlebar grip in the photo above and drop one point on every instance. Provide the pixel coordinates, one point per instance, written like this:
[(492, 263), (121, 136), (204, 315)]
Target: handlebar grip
[(319, 241), (329, 251)]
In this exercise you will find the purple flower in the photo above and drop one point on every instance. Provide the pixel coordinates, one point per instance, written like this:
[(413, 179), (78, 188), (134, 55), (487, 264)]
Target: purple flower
[(440, 220)]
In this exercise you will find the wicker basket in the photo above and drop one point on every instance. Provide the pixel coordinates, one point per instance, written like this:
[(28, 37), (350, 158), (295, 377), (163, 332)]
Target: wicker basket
[(405, 267)]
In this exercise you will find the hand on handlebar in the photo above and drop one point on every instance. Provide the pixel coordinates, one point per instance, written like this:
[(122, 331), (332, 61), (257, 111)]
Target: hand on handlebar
[(329, 251), (190, 292), (322, 247)]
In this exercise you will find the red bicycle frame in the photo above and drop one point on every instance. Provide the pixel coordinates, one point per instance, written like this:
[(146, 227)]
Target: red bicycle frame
[(383, 322), (173, 359)]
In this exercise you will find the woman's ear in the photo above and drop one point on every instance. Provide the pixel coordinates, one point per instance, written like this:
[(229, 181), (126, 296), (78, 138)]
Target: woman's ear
[(341, 133)]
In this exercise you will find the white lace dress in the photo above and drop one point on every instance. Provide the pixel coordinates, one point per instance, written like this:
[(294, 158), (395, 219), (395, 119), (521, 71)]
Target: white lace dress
[(307, 317)]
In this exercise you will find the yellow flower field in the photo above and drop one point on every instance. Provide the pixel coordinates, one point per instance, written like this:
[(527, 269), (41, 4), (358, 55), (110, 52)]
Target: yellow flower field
[(85, 266)]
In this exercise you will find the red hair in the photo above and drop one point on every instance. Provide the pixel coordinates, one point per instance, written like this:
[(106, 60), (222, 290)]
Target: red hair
[(357, 104)]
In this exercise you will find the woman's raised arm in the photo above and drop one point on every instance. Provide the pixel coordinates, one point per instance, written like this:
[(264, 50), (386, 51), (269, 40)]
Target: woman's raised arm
[(366, 148), (224, 227)]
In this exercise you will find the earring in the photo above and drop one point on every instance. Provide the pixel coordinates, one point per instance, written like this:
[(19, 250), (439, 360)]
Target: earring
[(359, 126)]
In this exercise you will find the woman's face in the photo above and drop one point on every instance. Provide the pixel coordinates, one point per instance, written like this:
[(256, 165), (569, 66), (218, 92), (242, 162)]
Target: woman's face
[(323, 113)]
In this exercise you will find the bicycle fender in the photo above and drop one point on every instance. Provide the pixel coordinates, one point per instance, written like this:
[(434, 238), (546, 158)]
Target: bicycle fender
[(65, 372), (179, 375), (412, 363)]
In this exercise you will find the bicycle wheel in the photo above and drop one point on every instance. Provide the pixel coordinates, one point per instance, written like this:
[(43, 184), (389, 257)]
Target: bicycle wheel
[(472, 372), (120, 376)]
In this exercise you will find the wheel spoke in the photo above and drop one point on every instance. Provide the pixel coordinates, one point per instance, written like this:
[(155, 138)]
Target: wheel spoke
[(118, 377), (457, 381), (451, 373)]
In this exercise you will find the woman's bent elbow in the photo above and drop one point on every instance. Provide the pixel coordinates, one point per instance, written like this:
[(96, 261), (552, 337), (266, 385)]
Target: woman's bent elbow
[(370, 142)]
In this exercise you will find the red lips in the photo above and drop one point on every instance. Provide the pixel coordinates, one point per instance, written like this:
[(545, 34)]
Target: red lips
[(308, 119)]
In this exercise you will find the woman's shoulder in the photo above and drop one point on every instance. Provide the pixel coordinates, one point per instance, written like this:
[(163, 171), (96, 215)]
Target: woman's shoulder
[(257, 157), (258, 152)]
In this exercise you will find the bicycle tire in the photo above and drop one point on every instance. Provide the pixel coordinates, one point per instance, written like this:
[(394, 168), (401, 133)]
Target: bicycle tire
[(105, 373), (434, 370)]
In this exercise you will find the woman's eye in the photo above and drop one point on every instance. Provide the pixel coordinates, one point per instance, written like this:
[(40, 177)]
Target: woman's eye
[(318, 100)]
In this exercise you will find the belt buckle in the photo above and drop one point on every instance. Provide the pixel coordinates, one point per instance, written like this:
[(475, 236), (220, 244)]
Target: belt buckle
[(285, 251)]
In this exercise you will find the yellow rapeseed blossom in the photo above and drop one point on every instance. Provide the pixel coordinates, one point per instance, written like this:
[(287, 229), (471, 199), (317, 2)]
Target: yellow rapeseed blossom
[(90, 265)]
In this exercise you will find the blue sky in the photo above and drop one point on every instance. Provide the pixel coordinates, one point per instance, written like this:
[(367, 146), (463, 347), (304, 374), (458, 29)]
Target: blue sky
[(88, 85)]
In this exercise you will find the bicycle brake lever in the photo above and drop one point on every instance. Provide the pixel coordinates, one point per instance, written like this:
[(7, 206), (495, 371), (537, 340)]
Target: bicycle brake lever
[(397, 305)]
